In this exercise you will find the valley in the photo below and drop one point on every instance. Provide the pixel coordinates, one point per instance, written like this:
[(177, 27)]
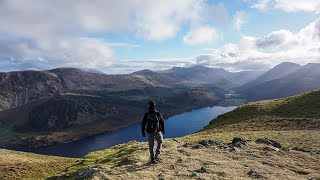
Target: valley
[(41, 108)]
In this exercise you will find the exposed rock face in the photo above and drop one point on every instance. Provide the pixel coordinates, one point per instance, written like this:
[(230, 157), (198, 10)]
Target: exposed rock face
[(69, 111), (19, 88)]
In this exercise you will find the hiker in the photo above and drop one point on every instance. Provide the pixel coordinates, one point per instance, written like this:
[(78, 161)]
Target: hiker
[(155, 129)]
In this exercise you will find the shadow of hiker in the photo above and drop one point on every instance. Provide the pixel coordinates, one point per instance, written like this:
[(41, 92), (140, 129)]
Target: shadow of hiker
[(135, 167)]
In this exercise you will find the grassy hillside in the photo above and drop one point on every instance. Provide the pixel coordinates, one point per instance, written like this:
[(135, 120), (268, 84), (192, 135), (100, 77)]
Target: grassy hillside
[(20, 165), (305, 105), (292, 121)]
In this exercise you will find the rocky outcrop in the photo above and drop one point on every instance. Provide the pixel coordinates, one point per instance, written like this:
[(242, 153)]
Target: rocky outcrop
[(269, 142), (19, 88)]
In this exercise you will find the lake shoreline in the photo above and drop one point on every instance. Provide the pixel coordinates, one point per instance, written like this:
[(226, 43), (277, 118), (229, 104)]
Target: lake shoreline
[(56, 149)]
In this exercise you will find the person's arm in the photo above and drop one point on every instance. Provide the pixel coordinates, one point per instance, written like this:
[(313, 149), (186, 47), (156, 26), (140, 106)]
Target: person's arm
[(161, 121), (143, 125)]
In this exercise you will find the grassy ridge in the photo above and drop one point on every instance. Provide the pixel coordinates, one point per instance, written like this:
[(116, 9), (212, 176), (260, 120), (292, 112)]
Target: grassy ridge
[(305, 105)]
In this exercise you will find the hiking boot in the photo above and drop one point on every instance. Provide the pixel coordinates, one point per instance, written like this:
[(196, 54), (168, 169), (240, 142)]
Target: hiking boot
[(153, 161), (157, 158)]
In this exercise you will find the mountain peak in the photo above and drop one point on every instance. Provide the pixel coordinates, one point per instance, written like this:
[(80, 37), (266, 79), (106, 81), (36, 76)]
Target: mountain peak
[(287, 64)]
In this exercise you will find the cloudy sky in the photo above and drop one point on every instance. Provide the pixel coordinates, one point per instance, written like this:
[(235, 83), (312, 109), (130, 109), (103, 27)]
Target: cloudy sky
[(128, 35)]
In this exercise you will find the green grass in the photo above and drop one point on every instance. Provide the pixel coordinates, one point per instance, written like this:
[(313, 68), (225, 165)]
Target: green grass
[(8, 134), (114, 156), (303, 105)]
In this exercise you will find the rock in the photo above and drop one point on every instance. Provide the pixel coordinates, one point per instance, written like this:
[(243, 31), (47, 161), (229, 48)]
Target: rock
[(235, 149), (195, 174), (203, 170), (238, 145), (300, 149), (199, 146), (179, 173), (271, 148), (161, 176), (187, 144), (268, 142), (238, 139), (209, 142), (88, 172), (314, 178), (256, 174), (178, 141), (204, 143), (238, 142), (179, 160)]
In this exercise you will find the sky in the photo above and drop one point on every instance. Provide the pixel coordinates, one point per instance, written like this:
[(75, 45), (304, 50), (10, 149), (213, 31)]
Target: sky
[(124, 36)]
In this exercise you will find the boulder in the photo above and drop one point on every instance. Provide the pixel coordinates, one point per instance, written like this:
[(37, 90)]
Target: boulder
[(202, 170), (210, 142), (88, 172), (269, 142), (195, 174), (204, 143), (238, 142), (256, 174), (271, 148)]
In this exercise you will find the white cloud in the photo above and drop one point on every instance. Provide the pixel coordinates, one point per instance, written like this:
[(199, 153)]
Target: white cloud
[(128, 66), (252, 53), (162, 19), (47, 53), (45, 33), (201, 35), (239, 19), (261, 4), (152, 20), (289, 5)]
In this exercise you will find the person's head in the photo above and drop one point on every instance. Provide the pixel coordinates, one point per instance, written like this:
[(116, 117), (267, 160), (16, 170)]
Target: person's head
[(151, 104)]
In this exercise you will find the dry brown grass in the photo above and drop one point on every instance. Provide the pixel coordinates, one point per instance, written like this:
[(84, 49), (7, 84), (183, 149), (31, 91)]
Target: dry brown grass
[(20, 165), (180, 162)]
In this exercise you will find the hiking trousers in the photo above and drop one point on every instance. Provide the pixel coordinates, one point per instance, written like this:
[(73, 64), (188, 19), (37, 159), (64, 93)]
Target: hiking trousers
[(159, 138)]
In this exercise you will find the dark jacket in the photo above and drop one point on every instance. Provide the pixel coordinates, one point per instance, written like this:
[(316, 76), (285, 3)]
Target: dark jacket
[(145, 121)]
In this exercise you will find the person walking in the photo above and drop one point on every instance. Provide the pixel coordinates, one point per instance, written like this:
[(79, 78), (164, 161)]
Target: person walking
[(155, 130)]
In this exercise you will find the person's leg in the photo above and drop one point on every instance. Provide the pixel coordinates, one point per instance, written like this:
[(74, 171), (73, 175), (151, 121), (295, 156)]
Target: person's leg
[(151, 144), (159, 138)]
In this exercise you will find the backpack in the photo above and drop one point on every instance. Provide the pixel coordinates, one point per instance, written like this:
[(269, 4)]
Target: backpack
[(153, 122)]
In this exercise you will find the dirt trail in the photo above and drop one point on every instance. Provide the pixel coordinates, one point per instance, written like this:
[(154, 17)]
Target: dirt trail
[(187, 162)]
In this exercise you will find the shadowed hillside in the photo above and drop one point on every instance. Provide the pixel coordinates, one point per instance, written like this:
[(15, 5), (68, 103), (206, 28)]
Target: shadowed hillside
[(290, 82)]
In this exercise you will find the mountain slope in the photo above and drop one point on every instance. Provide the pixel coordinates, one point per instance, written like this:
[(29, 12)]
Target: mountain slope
[(305, 105), (306, 78), (280, 70)]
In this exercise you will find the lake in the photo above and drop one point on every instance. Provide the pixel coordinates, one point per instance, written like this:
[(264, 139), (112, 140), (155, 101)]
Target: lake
[(175, 126)]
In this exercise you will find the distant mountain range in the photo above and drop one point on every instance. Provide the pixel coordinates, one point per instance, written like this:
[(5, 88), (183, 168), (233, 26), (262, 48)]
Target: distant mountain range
[(283, 80), (40, 108)]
